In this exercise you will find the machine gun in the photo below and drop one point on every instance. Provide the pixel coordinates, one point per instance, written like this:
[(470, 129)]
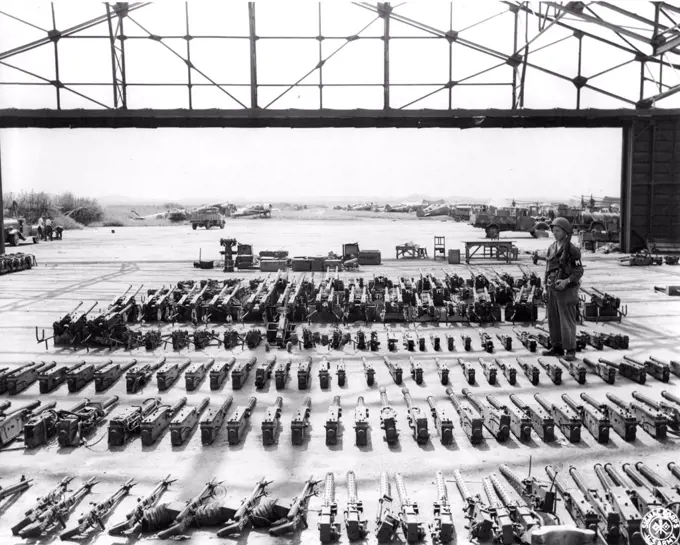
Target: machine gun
[(618, 497), (467, 342), (169, 373), (671, 412), (324, 373), (496, 421), (156, 423), (565, 419), (18, 488), (552, 370), (604, 371), (575, 502), (505, 530), (243, 516), (388, 418), (642, 496), (369, 372), (74, 426), (520, 423), (620, 418), (304, 373), (395, 370), (629, 369), (525, 520), (668, 495), (489, 370), (186, 517), (487, 343), (98, 514), (196, 374), (50, 379), (542, 338), (42, 504), (133, 524), (281, 373), (355, 523), (417, 420), (442, 529), (506, 341), (442, 422), (602, 307), (12, 423), (595, 421), (218, 373), (408, 341), (671, 397), (590, 338), (416, 370), (129, 422), (107, 376), (660, 371), (264, 372), (673, 365), (341, 372), (240, 373), (81, 374), (436, 342), (609, 521), (236, 425), (361, 423), (157, 307), (476, 512), (17, 380), (387, 521), (468, 371), (469, 421), (653, 422), (333, 422), (442, 371), (139, 377), (329, 528), (541, 420), (528, 341), (300, 422), (297, 514), (450, 342), (185, 421), (533, 492), (413, 528), (270, 424), (530, 371), (509, 372), (576, 370)]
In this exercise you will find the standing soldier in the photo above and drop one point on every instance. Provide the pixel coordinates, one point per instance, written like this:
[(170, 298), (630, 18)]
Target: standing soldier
[(48, 228), (563, 274), (41, 228)]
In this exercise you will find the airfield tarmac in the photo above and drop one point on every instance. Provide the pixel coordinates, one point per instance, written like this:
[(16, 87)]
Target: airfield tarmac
[(98, 264)]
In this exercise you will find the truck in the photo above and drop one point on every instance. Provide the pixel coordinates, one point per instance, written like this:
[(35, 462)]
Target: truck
[(507, 219), (207, 217), (16, 230)]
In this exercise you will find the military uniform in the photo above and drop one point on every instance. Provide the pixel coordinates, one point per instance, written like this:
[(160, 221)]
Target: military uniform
[(562, 306)]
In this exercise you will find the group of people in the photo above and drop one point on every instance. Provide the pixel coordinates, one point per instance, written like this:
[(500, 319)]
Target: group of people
[(46, 229)]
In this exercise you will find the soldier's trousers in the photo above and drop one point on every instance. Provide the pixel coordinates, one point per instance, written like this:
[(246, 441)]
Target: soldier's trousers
[(562, 310)]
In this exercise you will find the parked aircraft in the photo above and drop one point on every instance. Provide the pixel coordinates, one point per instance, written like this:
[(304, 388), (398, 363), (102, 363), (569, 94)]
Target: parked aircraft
[(435, 210), (254, 210)]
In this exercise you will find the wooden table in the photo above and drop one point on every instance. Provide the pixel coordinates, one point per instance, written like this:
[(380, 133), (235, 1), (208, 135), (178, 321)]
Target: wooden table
[(406, 251), (498, 250)]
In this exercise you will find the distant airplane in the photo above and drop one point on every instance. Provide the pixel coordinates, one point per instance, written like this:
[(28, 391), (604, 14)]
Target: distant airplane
[(136, 216), (225, 208), (363, 207), (406, 207), (435, 210), (254, 210)]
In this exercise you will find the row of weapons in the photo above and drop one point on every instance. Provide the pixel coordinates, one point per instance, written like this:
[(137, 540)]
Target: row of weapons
[(16, 262), (616, 513), (40, 424)]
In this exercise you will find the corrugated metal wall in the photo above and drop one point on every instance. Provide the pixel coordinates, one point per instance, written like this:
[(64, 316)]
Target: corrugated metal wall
[(650, 193)]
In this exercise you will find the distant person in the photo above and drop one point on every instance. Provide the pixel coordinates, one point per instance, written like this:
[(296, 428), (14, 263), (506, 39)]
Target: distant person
[(48, 228), (563, 274), (41, 228)]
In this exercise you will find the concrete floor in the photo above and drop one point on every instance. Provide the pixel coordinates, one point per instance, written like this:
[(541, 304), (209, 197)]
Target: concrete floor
[(97, 265)]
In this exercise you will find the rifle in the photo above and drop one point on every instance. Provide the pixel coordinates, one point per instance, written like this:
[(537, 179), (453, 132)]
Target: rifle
[(442, 422), (386, 520), (129, 423), (186, 516), (553, 371), (653, 422), (42, 504), (496, 421), (333, 422), (619, 499), (329, 529), (107, 376), (340, 371), (212, 422), (300, 422), (196, 374), (487, 343), (240, 373), (467, 342), (671, 412), (575, 369), (660, 371), (604, 371), (476, 512), (20, 379), (641, 494), (369, 372), (281, 373), (74, 426), (169, 373), (236, 425), (270, 424), (442, 529), (674, 366), (541, 421), (361, 423), (413, 529), (509, 372), (416, 370), (526, 339), (133, 524), (324, 373), (575, 502), (155, 424), (520, 423), (81, 374), (531, 490), (388, 418), (506, 341), (417, 420), (489, 370), (442, 371), (97, 515), (469, 421), (608, 521), (395, 370), (297, 514), (468, 371), (565, 419), (50, 379), (304, 374), (137, 378), (243, 516), (595, 421), (355, 523), (620, 418), (629, 369)]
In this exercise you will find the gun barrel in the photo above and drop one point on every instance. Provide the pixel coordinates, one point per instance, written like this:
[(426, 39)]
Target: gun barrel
[(607, 482), (590, 400), (475, 402), (401, 490), (517, 401), (385, 488), (571, 403), (178, 406), (494, 402), (510, 475), (647, 400), (674, 469), (352, 496), (28, 408), (635, 477), (360, 402), (670, 397), (543, 402), (615, 476), (554, 477), (462, 486), (500, 489), (633, 360), (616, 400), (407, 398), (454, 400), (109, 402), (494, 500), (336, 401), (329, 489), (579, 481), (383, 397), (651, 475)]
